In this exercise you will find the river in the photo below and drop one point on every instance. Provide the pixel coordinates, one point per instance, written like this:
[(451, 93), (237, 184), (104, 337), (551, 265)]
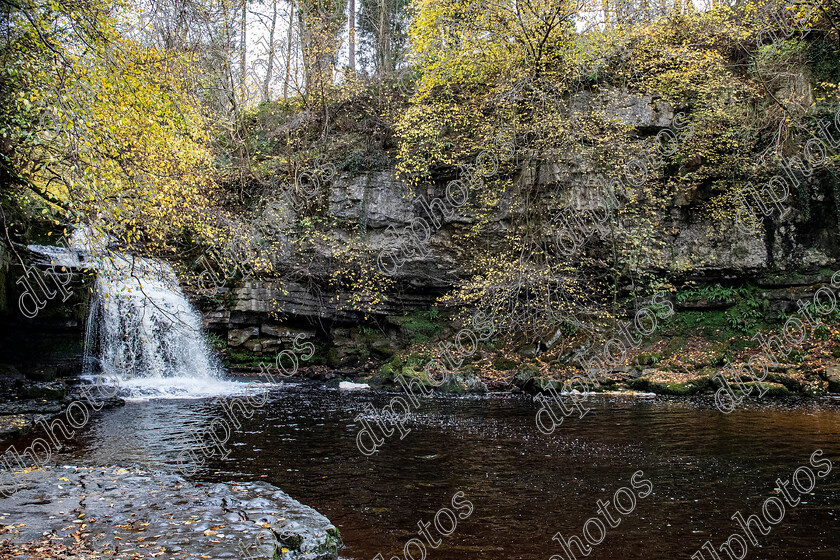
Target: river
[(525, 486)]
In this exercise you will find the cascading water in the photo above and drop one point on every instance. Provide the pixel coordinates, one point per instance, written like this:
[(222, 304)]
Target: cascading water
[(141, 329), (142, 326)]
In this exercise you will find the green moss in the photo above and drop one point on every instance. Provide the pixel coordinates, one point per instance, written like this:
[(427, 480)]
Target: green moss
[(647, 359), (544, 383), (646, 385), (524, 374), (49, 373), (691, 387), (237, 358), (742, 343), (333, 538), (49, 393), (745, 311), (503, 364), (674, 346), (606, 384), (410, 367), (420, 326), (389, 369), (332, 357), (786, 381), (453, 384), (292, 541), (775, 390)]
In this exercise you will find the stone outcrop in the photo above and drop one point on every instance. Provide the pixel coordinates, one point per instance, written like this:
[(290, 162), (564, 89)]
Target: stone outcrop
[(379, 200), (123, 513)]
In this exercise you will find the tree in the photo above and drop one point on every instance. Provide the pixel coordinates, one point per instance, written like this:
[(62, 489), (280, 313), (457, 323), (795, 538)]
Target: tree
[(243, 51), (289, 50), (320, 23), (383, 26), (351, 34), (103, 130)]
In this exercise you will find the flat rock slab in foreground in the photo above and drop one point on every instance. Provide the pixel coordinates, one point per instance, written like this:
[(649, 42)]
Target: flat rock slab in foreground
[(118, 513)]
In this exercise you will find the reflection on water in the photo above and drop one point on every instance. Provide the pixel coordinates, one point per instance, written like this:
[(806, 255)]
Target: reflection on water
[(525, 486)]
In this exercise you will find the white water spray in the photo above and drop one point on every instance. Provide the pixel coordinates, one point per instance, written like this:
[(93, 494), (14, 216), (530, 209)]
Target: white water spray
[(141, 327)]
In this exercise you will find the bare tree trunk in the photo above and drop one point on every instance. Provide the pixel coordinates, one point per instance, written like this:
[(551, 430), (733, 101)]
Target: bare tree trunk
[(351, 33), (289, 51), (243, 47), (230, 53), (384, 38), (305, 34), (270, 68)]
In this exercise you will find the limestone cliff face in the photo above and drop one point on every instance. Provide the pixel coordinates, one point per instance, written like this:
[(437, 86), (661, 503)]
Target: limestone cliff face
[(801, 243)]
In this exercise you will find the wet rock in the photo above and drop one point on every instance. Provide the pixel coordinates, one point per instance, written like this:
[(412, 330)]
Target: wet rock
[(279, 331), (253, 345), (237, 337), (544, 384), (14, 425), (9, 374), (30, 406), (832, 375), (452, 383), (525, 375), (474, 385), (529, 350), (156, 514), (45, 390)]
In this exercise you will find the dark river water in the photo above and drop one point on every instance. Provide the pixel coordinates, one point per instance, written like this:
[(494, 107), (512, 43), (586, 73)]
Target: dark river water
[(525, 486)]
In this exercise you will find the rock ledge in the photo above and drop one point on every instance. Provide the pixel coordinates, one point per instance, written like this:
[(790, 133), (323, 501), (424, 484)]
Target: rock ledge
[(121, 513)]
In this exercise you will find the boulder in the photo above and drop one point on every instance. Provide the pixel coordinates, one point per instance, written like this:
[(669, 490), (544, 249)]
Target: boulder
[(237, 337), (832, 375), (280, 331), (524, 376), (453, 383)]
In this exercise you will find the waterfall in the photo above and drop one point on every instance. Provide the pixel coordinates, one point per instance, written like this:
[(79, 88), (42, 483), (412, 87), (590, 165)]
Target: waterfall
[(141, 323), (141, 329)]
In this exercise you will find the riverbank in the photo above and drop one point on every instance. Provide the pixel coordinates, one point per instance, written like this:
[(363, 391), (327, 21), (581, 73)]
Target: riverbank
[(82, 512), (28, 400), (675, 366)]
